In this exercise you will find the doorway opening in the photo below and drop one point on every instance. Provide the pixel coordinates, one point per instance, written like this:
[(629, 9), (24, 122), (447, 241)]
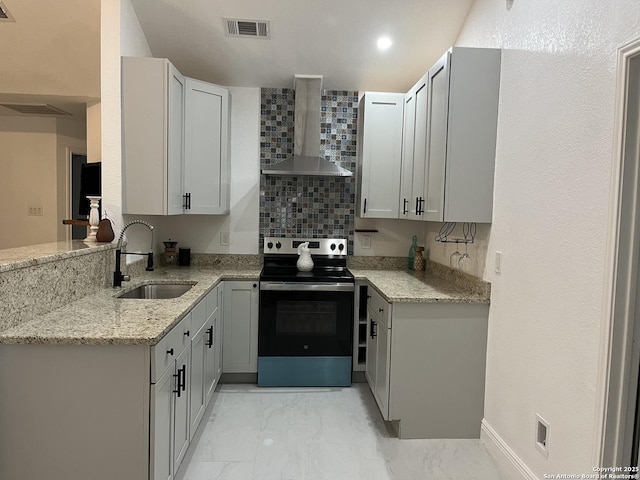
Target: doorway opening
[(619, 430), (78, 232)]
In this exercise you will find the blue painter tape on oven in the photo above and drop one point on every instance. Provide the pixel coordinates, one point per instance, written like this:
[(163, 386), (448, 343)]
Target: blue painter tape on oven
[(304, 371)]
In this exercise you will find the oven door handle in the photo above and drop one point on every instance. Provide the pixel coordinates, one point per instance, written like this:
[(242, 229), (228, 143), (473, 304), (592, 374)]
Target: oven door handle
[(307, 287)]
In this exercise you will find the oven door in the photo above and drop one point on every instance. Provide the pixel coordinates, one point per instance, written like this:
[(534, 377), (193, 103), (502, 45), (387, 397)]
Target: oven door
[(305, 319)]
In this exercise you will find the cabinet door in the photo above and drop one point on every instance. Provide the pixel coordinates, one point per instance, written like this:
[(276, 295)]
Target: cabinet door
[(197, 399), (175, 142), (218, 333), (417, 204), (437, 121), (381, 155), (206, 173), (210, 379), (372, 349), (240, 342), (181, 408), (408, 132), (474, 87), (161, 428), (152, 136), (382, 367)]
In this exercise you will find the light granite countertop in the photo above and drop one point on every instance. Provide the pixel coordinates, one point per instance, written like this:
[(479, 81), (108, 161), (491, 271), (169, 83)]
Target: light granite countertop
[(103, 319), (20, 257), (424, 287)]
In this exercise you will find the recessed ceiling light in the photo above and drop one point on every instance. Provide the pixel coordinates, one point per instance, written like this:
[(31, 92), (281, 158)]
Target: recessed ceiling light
[(384, 43)]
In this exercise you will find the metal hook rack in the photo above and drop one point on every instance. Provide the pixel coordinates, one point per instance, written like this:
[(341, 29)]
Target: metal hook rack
[(469, 230)]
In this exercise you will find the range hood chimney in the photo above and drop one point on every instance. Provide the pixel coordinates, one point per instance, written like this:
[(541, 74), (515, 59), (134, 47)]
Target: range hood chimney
[(306, 158)]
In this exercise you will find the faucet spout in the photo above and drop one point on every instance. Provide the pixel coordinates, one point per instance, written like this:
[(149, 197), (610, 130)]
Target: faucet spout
[(118, 277)]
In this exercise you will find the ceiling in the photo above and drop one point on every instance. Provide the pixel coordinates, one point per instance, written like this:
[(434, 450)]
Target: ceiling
[(333, 38), (51, 54)]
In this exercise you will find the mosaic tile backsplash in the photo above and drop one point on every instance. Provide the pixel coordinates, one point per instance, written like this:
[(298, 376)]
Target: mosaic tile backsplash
[(308, 206)]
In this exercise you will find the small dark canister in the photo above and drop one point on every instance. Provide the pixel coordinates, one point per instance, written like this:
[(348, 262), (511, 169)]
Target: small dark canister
[(184, 257)]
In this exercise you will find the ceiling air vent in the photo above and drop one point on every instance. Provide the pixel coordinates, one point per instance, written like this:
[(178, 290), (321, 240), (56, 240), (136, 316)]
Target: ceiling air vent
[(35, 109), (5, 16), (235, 27)]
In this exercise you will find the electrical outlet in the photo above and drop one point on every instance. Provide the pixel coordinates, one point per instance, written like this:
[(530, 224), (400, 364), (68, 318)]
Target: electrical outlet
[(498, 263), (542, 435), (366, 241), (224, 238)]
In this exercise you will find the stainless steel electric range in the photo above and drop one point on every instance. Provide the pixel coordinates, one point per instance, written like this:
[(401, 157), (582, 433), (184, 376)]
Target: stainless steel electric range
[(306, 318)]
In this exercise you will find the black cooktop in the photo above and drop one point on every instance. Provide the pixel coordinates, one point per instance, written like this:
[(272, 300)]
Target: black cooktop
[(320, 273), (329, 260)]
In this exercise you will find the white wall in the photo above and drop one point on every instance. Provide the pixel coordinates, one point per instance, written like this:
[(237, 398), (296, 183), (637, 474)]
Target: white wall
[(392, 239), (28, 165), (451, 254), (553, 163), (34, 169), (202, 233), (94, 133), (52, 48), (121, 34)]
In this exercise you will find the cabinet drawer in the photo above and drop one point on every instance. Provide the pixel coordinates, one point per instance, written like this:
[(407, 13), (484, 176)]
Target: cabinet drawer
[(164, 353), (212, 301), (199, 316), (379, 305)]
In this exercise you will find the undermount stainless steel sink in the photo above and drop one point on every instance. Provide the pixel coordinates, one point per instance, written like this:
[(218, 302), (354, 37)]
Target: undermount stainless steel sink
[(158, 291)]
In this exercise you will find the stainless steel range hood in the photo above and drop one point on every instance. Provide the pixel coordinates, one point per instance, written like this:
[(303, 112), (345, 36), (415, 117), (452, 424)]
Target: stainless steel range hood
[(306, 158)]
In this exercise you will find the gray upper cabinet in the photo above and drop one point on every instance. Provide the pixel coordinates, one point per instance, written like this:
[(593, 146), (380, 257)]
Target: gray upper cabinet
[(461, 135), (408, 132), (414, 152), (175, 141), (153, 96), (380, 154), (206, 150)]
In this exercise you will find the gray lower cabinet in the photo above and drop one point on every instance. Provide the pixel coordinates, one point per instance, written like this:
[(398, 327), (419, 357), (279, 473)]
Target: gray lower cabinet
[(73, 412), (181, 408), (240, 332), (161, 455), (108, 411), (170, 375), (378, 349), (426, 366), (183, 391), (200, 370)]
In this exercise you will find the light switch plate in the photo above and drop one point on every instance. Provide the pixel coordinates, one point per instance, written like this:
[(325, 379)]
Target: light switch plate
[(34, 210), (498, 265), (224, 238), (366, 241)]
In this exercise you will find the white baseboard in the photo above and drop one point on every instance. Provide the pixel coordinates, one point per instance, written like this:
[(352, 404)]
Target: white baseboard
[(502, 453)]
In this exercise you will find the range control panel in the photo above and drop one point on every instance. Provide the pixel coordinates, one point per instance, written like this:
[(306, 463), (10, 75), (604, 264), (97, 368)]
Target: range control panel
[(317, 246)]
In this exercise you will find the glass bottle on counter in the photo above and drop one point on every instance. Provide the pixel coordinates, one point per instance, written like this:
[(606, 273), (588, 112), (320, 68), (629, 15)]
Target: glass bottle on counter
[(412, 252)]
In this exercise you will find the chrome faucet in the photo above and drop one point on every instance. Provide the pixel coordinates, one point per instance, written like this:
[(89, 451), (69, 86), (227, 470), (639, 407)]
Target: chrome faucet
[(118, 277)]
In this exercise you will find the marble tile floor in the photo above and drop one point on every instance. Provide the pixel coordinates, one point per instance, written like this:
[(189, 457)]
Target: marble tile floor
[(320, 434)]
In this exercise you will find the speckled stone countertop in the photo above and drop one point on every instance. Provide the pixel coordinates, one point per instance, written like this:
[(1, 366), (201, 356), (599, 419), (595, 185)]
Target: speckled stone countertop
[(103, 319), (20, 257), (424, 287)]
